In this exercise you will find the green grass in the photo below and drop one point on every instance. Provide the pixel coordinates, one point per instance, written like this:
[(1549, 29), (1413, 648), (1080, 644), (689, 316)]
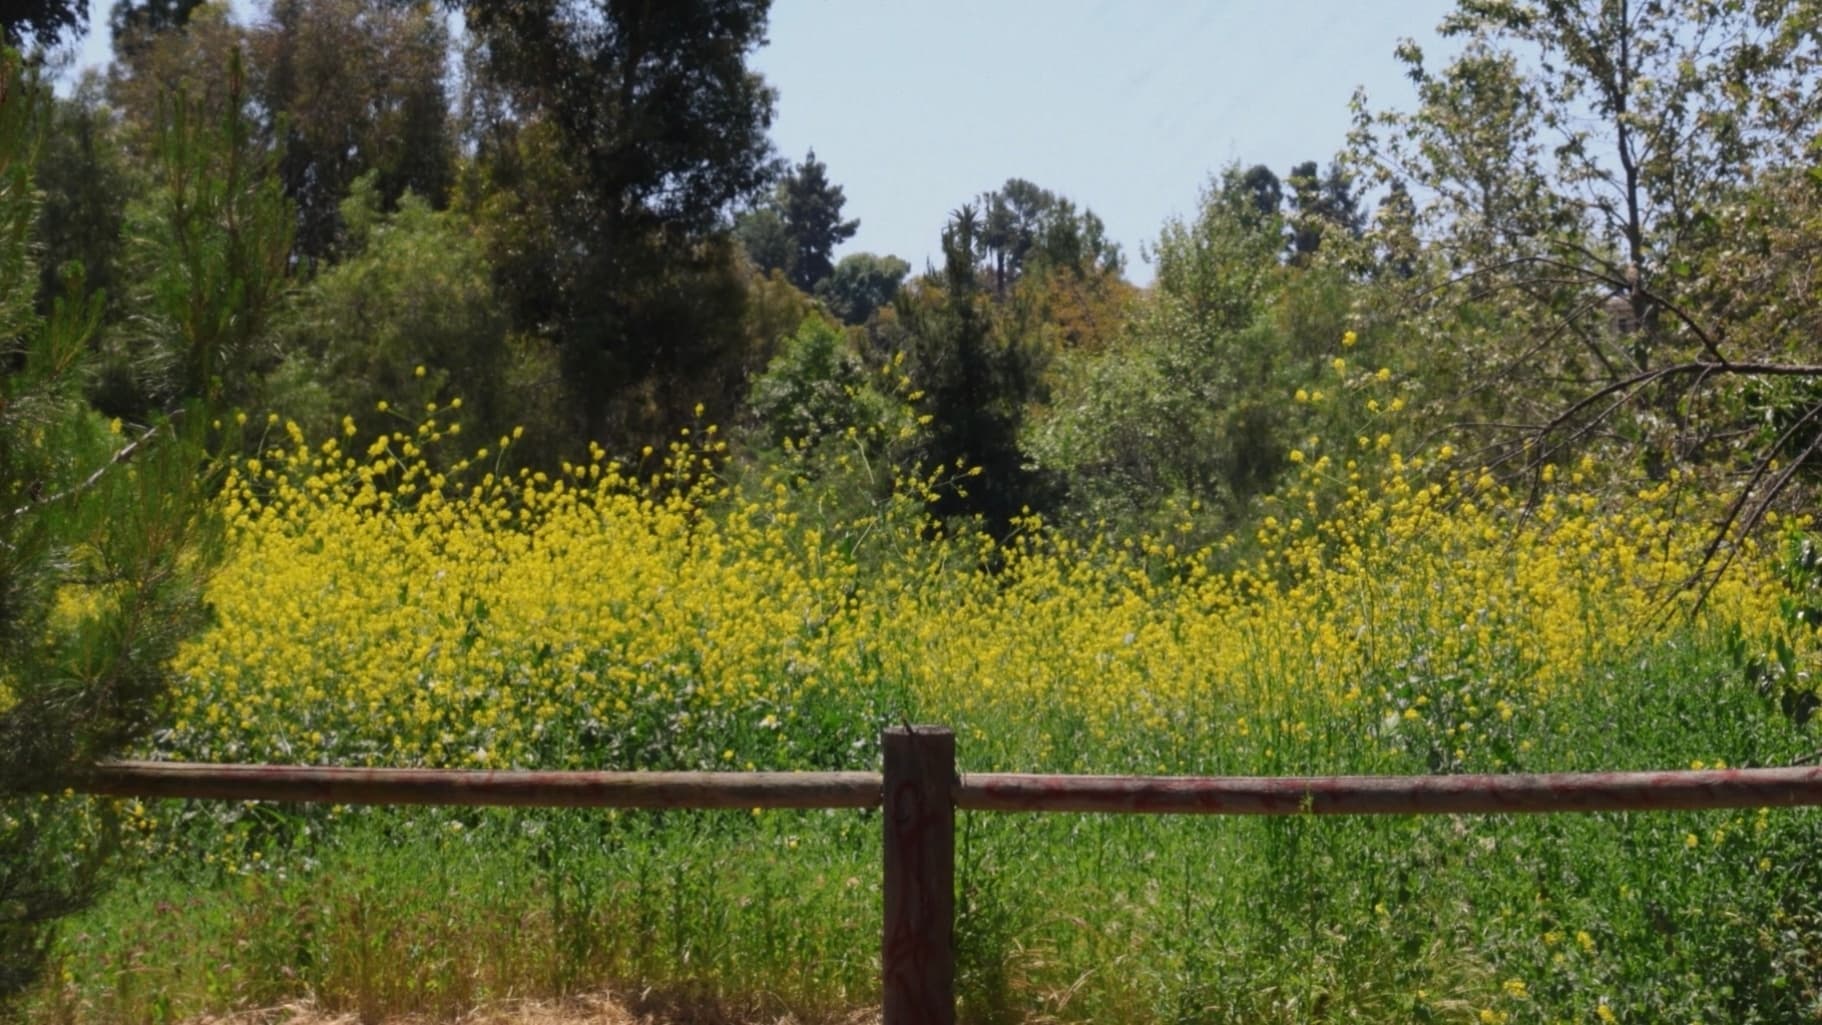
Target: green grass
[(1713, 917)]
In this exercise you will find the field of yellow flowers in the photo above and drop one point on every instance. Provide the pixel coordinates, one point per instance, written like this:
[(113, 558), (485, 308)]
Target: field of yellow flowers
[(390, 603), (379, 611)]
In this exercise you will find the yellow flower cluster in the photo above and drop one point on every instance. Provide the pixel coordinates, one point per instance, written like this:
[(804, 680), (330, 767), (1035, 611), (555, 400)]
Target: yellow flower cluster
[(377, 611)]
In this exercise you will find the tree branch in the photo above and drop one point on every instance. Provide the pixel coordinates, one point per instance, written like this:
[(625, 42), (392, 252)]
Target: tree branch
[(121, 456)]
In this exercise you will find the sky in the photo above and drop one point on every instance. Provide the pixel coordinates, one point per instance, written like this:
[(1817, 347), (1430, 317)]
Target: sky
[(1127, 107)]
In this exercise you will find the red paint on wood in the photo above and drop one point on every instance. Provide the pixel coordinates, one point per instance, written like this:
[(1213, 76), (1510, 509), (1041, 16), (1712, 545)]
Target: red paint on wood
[(1392, 795), (917, 958)]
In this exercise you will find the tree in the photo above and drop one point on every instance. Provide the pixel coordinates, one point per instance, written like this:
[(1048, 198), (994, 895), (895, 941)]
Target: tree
[(1010, 227), (150, 69), (1222, 265), (977, 384), (1320, 205), (860, 284), (811, 210), (766, 240), (408, 316), (347, 87), (42, 22), (135, 23), (647, 122), (1580, 163), (1189, 404), (1076, 242), (1024, 225), (1266, 190), (86, 180), (815, 386), (209, 249), (103, 534)]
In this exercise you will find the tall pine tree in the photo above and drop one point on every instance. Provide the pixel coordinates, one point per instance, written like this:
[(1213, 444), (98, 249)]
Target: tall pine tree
[(811, 209), (103, 531)]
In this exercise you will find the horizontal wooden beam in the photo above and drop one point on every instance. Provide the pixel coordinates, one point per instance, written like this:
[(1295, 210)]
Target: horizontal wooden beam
[(458, 787), (1006, 792), (1392, 795)]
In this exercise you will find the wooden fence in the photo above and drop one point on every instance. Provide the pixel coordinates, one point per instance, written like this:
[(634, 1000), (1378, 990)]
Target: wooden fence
[(920, 792)]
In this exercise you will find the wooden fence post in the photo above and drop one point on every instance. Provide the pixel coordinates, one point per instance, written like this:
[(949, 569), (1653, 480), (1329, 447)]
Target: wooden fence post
[(917, 957)]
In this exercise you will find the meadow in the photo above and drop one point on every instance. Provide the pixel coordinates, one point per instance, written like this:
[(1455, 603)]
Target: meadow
[(412, 599)]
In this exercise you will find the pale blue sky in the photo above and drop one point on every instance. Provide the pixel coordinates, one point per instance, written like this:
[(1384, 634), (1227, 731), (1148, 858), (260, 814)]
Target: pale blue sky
[(1125, 107)]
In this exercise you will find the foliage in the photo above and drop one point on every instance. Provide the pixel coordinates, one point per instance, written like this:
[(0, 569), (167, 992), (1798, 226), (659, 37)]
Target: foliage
[(654, 103), (1577, 160), (494, 602), (42, 22), (1320, 204), (102, 528), (975, 383), (1024, 277), (193, 62), (86, 180), (773, 309), (1387, 618), (812, 387), (1191, 408), (1339, 492), (810, 208), (1027, 227), (860, 284), (765, 239), (210, 246), (350, 87), (135, 23), (408, 316), (641, 126)]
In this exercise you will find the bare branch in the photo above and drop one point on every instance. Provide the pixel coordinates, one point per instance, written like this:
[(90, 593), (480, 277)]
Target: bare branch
[(125, 453), (1745, 512)]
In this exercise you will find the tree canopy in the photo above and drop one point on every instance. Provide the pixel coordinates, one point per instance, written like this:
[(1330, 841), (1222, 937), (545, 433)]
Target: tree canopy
[(641, 127), (43, 23)]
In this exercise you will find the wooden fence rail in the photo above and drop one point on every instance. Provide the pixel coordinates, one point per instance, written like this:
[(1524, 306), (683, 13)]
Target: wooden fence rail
[(335, 785), (920, 792)]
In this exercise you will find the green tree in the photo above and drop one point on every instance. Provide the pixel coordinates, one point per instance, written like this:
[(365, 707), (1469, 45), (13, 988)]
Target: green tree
[(1266, 190), (1191, 406), (86, 180), (767, 242), (1581, 163), (977, 384), (1023, 225), (810, 207), (409, 316), (209, 250), (641, 126), (348, 87), (43, 22), (860, 284), (1321, 204), (816, 385), (149, 68), (1222, 266), (103, 531), (135, 23)]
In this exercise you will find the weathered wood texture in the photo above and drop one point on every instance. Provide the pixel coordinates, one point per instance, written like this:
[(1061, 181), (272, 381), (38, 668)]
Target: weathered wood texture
[(1392, 795), (455, 787), (917, 959), (1159, 795)]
